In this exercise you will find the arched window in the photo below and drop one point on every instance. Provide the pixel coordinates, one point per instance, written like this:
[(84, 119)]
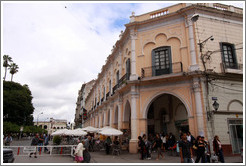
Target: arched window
[(45, 127)]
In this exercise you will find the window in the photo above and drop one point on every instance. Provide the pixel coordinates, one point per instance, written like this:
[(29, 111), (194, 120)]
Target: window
[(117, 76), (128, 68), (161, 61), (228, 55), (110, 86)]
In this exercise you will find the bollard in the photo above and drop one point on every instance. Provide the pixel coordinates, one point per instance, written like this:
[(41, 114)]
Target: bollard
[(18, 151), (61, 150)]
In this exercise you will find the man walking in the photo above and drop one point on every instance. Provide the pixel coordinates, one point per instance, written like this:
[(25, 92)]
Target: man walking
[(185, 150), (34, 143)]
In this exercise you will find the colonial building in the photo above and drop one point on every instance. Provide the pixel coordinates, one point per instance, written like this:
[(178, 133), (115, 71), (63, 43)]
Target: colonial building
[(52, 125), (169, 71), (80, 104)]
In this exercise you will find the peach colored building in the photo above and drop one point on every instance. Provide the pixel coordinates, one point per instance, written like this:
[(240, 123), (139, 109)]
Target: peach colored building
[(167, 70)]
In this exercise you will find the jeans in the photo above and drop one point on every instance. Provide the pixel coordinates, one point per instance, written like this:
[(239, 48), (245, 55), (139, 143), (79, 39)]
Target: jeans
[(187, 160), (221, 156)]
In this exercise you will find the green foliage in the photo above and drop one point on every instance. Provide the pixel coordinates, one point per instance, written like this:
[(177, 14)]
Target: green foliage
[(57, 140), (17, 103), (9, 127)]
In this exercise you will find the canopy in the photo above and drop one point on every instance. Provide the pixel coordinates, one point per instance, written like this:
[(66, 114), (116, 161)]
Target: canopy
[(90, 129), (60, 132), (109, 131), (79, 132)]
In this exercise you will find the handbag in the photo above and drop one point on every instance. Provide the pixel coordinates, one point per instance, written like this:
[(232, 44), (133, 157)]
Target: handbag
[(214, 158)]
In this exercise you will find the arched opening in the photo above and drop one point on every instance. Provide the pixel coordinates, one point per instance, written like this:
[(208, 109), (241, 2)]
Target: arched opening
[(167, 114), (116, 118), (58, 127), (126, 128), (45, 127)]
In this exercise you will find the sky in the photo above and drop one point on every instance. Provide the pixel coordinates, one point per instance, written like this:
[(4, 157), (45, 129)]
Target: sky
[(58, 46)]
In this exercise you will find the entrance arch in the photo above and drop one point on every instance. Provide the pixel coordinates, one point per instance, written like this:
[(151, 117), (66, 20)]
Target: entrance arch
[(165, 114)]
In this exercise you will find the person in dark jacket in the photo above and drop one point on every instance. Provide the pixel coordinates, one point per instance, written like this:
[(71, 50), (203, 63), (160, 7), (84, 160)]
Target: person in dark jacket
[(34, 143), (141, 144), (200, 150), (218, 149), (158, 145)]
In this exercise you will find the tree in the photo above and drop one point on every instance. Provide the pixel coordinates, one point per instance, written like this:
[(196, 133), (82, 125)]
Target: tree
[(6, 60), (13, 69), (17, 103)]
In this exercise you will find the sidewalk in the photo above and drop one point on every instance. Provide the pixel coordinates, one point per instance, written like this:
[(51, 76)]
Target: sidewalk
[(101, 157)]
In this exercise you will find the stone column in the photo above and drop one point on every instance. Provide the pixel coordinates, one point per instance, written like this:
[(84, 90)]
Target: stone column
[(134, 120), (120, 101), (133, 36), (198, 100), (111, 115), (194, 66)]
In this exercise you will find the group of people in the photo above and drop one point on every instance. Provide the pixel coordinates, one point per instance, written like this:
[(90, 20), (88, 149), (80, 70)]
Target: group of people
[(187, 146), (40, 140), (158, 142), (199, 146)]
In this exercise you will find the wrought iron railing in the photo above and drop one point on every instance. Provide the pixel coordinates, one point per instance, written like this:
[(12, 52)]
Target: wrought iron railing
[(224, 67), (107, 95), (161, 70)]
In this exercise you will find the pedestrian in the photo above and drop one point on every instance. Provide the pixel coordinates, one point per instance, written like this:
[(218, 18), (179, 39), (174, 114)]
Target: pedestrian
[(207, 151), (141, 145), (40, 142), (46, 142), (86, 154), (8, 140), (185, 150), (148, 147), (190, 138), (158, 145), (218, 149), (79, 152), (200, 153), (34, 143), (108, 143), (164, 142), (171, 140)]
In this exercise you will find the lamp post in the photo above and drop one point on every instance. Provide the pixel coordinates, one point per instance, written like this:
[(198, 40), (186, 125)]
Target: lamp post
[(216, 107), (38, 116)]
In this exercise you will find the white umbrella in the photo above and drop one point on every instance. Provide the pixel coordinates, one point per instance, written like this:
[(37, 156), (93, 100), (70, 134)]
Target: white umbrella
[(79, 132), (60, 132), (109, 131), (90, 129)]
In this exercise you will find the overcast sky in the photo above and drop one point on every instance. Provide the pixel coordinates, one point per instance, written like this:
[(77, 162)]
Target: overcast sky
[(58, 46)]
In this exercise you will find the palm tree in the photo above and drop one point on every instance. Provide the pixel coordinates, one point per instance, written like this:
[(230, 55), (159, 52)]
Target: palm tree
[(13, 69), (6, 60)]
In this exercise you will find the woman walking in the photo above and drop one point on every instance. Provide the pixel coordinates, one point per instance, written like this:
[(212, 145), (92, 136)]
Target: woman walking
[(158, 144), (218, 149), (79, 152)]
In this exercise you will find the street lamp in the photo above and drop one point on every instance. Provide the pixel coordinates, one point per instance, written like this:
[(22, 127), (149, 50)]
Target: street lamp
[(38, 116), (216, 107)]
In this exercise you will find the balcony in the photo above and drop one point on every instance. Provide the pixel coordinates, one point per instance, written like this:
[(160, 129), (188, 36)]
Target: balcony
[(122, 81), (107, 95), (236, 69), (102, 99), (161, 70)]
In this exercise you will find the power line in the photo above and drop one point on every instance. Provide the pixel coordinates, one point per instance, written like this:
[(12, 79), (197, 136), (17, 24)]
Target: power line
[(227, 88)]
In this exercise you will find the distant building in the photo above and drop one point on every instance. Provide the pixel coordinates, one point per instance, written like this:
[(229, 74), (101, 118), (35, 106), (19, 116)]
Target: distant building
[(80, 104), (52, 125)]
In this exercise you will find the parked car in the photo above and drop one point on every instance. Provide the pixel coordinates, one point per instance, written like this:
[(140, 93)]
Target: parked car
[(8, 155)]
